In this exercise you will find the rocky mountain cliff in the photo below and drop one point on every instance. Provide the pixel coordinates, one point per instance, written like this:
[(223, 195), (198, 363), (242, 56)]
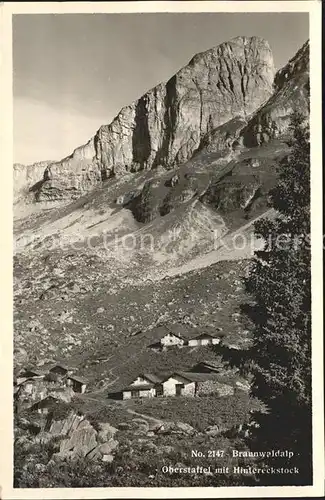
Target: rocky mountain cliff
[(191, 157), (169, 122), (27, 176), (226, 98), (291, 91)]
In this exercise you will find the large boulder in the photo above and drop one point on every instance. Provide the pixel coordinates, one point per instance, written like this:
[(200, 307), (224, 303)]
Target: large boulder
[(140, 425), (185, 428), (216, 430), (81, 441), (176, 428), (63, 426), (104, 451), (105, 432)]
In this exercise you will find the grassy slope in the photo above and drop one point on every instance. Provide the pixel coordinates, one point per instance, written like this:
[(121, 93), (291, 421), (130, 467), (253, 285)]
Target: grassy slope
[(201, 412), (82, 307), (102, 344), (96, 314)]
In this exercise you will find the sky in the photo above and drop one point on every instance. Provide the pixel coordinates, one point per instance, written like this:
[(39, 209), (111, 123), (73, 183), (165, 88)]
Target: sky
[(72, 73)]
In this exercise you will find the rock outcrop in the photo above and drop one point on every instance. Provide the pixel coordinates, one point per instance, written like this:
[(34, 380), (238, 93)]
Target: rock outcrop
[(72, 176), (79, 438), (26, 178), (168, 123), (291, 92), (81, 441)]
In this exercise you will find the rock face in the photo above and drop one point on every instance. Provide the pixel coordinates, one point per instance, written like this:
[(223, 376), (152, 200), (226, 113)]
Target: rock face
[(71, 176), (168, 123), (26, 177), (291, 86)]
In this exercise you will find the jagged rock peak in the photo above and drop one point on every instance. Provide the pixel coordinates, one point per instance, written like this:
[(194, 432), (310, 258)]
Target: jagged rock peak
[(298, 64), (291, 92), (249, 43), (168, 123)]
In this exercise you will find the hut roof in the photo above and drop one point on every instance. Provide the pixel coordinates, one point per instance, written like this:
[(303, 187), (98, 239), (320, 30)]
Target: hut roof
[(77, 379)]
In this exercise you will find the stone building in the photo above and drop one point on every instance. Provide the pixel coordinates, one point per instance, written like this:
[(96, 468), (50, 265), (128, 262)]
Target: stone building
[(177, 384), (144, 386), (206, 384), (183, 335), (78, 384)]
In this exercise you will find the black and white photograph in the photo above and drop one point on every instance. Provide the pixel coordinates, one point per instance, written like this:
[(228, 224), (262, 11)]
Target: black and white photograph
[(163, 204)]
